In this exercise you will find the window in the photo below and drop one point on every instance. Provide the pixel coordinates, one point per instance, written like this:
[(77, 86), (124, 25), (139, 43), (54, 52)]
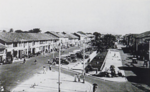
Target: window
[(14, 44), (41, 42), (33, 43)]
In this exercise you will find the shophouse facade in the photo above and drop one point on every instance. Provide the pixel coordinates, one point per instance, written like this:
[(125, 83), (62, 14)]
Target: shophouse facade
[(24, 44)]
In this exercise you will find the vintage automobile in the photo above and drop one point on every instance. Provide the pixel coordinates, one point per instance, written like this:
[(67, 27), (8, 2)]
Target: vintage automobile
[(63, 60), (80, 55)]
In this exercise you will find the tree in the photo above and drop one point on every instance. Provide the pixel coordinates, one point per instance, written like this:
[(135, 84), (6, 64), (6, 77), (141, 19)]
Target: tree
[(97, 35), (98, 41), (26, 32), (19, 31), (4, 30), (30, 31), (11, 30), (35, 30), (109, 40), (47, 32)]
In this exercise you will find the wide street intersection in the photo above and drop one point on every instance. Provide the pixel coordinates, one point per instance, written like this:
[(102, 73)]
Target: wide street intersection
[(13, 74)]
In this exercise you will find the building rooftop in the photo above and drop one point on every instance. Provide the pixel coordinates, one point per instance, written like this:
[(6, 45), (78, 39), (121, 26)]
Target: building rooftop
[(19, 37), (80, 34), (144, 34), (56, 34), (70, 35)]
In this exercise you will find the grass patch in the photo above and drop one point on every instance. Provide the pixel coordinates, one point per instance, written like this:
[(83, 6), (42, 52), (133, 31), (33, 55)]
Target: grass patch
[(98, 60)]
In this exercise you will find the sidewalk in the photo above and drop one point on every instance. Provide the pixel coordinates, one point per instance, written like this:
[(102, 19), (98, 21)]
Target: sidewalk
[(49, 83)]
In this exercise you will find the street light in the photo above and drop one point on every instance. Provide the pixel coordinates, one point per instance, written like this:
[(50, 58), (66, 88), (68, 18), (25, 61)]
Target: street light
[(83, 62), (59, 78), (53, 48)]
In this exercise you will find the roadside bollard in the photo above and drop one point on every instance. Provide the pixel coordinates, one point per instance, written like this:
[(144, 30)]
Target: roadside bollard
[(94, 87)]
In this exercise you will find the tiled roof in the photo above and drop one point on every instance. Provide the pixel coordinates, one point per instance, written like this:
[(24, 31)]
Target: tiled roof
[(55, 34), (71, 36), (18, 37), (144, 34), (134, 35), (82, 35), (90, 35), (62, 35), (80, 32)]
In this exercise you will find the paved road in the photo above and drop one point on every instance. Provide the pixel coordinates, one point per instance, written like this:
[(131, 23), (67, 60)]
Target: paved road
[(13, 74), (106, 86)]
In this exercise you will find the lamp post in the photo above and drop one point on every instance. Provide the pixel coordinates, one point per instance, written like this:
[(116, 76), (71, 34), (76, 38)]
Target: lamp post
[(53, 48), (83, 62), (59, 78)]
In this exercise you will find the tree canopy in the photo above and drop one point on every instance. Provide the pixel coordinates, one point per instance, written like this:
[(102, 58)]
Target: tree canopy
[(97, 35), (18, 31), (11, 30), (103, 42), (47, 32), (35, 30)]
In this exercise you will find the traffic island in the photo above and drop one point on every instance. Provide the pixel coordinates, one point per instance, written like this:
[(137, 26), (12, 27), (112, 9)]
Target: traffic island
[(110, 68)]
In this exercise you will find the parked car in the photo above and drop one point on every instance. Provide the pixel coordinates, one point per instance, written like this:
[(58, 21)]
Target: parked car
[(74, 60), (73, 56), (63, 60), (80, 55)]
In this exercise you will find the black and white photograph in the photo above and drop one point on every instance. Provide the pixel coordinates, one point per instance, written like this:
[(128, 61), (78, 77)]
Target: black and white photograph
[(74, 45)]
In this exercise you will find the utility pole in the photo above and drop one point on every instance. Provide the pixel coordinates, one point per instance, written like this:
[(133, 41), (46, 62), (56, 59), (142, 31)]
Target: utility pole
[(53, 48), (149, 53), (59, 79), (83, 62)]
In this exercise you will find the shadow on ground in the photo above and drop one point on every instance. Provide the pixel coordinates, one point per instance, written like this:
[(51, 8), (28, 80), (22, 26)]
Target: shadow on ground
[(142, 75)]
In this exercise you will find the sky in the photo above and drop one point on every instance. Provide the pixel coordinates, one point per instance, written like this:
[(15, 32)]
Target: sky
[(104, 16)]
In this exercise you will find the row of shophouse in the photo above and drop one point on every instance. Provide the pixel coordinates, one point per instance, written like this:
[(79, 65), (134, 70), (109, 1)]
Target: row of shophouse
[(18, 45), (139, 44)]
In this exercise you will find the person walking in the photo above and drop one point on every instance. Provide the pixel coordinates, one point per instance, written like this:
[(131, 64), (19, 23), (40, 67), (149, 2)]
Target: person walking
[(24, 61), (78, 76), (50, 66), (35, 62), (75, 78), (145, 63), (48, 61), (44, 70)]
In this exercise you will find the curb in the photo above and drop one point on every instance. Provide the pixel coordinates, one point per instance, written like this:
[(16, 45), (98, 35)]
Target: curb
[(106, 79)]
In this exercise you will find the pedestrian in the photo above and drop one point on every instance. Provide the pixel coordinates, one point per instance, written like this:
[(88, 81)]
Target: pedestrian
[(113, 72), (50, 67), (2, 89), (44, 70), (35, 62), (145, 63), (49, 62), (24, 61), (78, 76), (75, 78), (114, 54)]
